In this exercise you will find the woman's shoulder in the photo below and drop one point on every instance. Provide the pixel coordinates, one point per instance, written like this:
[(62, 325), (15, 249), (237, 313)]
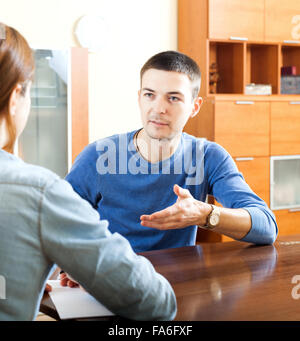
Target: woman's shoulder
[(17, 172)]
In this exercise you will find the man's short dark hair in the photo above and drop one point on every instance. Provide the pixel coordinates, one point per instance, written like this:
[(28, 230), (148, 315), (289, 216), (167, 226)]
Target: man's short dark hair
[(177, 62)]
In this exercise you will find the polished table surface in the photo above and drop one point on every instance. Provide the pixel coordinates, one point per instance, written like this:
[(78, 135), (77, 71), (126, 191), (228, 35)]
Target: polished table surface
[(232, 281)]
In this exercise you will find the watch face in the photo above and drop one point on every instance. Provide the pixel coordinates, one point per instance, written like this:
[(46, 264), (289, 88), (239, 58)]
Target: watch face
[(214, 220)]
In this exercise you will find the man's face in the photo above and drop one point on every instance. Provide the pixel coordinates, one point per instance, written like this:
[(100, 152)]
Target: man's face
[(165, 101)]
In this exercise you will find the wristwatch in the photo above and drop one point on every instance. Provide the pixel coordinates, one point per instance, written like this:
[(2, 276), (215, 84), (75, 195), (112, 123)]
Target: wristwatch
[(213, 218)]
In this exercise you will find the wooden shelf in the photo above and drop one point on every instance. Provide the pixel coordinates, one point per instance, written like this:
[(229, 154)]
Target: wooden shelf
[(262, 65), (239, 64), (229, 57)]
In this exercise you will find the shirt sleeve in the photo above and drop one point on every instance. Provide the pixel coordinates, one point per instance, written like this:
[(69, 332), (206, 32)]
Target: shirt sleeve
[(79, 242), (229, 188)]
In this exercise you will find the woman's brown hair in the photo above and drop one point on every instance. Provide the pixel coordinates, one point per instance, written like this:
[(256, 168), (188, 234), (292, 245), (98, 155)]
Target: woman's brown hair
[(16, 67)]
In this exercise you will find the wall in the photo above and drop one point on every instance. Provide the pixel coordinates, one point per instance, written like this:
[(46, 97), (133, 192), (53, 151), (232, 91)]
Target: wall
[(137, 29)]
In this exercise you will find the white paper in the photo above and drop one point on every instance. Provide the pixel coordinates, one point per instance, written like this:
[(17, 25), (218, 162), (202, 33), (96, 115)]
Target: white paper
[(73, 303)]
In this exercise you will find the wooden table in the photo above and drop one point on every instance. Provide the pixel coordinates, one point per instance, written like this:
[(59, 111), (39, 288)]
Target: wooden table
[(230, 281)]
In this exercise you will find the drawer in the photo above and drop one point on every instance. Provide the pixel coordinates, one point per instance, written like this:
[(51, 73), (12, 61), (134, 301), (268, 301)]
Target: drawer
[(243, 127), (285, 128), (256, 172), (288, 221)]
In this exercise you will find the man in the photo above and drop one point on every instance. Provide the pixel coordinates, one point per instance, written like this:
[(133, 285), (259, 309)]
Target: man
[(151, 184)]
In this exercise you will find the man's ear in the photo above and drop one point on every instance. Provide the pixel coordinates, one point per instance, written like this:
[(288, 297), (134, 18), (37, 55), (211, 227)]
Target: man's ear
[(197, 105), (13, 99), (139, 97)]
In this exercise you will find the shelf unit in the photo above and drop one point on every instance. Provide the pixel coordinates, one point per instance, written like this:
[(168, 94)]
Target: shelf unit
[(236, 43), (242, 63)]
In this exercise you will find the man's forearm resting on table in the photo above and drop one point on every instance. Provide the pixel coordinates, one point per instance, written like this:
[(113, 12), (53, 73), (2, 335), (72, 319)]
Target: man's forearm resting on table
[(249, 224), (234, 223)]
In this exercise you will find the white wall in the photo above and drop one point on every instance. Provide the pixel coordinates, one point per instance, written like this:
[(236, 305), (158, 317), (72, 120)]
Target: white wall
[(137, 30)]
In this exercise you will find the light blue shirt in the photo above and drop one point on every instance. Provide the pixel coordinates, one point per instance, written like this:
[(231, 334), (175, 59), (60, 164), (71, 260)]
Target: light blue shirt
[(44, 223)]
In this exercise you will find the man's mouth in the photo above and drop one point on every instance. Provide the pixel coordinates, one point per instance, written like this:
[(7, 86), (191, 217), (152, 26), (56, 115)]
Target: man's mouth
[(158, 123)]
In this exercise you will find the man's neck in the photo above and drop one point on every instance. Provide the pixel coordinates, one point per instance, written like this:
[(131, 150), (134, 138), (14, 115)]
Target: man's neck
[(155, 150)]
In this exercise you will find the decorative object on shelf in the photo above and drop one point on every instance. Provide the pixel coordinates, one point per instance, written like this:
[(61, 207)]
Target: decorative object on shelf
[(214, 77), (92, 32), (290, 85), (289, 70), (258, 89)]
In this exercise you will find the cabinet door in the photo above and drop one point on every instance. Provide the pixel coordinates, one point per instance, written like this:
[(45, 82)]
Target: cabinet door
[(233, 19), (243, 127), (256, 172), (282, 20), (285, 128), (285, 182)]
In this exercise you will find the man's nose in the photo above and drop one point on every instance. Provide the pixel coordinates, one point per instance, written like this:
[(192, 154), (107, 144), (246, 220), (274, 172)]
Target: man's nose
[(160, 106)]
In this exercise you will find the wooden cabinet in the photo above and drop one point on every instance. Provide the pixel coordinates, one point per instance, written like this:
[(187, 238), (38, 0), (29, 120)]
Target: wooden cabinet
[(242, 127), (252, 127), (235, 19), (256, 20), (285, 128), (282, 20)]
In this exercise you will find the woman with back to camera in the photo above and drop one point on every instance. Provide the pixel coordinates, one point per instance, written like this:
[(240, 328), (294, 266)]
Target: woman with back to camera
[(44, 223)]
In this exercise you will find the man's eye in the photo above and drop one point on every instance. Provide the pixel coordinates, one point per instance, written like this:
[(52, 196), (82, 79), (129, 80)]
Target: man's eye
[(174, 99), (148, 94)]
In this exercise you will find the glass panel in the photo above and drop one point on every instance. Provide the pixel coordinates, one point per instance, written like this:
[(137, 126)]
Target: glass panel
[(44, 141), (286, 183)]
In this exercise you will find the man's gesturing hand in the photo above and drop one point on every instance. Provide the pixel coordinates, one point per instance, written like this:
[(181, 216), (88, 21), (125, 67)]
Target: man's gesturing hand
[(185, 212)]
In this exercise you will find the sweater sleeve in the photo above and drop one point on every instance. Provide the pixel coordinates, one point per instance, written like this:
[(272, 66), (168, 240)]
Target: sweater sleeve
[(229, 188), (79, 242)]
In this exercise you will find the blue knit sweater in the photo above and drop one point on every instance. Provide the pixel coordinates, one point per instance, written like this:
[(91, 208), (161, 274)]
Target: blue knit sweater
[(122, 186)]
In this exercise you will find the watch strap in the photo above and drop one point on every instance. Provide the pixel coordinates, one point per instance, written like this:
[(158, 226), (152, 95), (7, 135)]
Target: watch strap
[(215, 211)]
